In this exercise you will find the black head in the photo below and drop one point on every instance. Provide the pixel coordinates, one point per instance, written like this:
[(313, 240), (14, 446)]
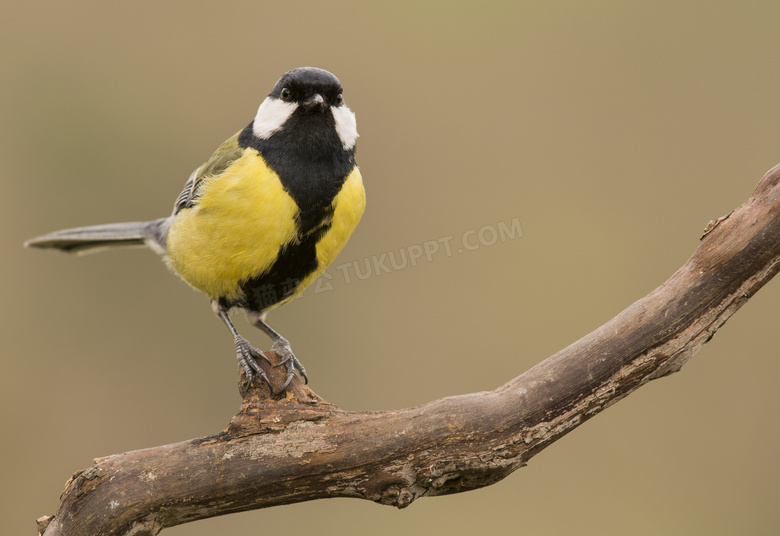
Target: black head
[(314, 89), (305, 107)]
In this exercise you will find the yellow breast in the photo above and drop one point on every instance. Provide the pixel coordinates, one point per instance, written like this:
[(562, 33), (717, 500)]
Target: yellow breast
[(235, 229), (241, 220)]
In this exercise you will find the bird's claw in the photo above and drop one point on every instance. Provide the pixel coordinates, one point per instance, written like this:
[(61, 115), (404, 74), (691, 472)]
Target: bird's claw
[(248, 355), (282, 348)]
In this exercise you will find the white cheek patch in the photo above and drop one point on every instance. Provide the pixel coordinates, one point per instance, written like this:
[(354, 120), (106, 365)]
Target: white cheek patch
[(346, 126), (271, 116)]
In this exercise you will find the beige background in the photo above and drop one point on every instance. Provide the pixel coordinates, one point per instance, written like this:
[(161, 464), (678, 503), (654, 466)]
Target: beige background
[(613, 131)]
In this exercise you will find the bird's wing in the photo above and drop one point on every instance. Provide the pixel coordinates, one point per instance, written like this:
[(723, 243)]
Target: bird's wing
[(226, 154)]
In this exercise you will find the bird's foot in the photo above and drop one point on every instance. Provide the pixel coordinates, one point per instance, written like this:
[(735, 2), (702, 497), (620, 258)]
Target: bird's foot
[(248, 355), (288, 359)]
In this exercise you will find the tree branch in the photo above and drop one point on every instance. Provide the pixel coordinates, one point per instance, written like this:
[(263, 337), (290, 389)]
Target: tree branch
[(300, 448)]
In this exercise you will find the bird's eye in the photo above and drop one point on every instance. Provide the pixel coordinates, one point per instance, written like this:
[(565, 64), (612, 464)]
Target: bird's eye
[(339, 100), (285, 94)]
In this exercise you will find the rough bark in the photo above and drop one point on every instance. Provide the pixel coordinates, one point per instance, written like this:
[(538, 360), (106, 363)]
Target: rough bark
[(300, 448)]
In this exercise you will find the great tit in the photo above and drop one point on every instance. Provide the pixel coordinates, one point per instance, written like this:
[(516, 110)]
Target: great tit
[(264, 216)]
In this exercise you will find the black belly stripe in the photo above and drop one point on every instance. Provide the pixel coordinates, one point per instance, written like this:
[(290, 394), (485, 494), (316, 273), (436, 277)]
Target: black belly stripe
[(312, 166), (294, 263)]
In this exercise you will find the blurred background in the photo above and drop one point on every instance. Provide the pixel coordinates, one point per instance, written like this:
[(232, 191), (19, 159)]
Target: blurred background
[(610, 133)]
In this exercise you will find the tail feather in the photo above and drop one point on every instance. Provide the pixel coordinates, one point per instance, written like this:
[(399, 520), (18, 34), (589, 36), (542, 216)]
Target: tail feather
[(82, 239)]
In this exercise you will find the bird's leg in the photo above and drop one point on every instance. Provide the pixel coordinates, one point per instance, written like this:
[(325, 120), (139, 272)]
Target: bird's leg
[(245, 352), (282, 348)]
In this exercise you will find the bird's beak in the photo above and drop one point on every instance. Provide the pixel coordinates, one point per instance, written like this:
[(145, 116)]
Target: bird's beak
[(314, 104)]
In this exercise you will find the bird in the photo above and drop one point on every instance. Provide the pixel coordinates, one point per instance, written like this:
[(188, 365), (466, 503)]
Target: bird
[(263, 217)]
